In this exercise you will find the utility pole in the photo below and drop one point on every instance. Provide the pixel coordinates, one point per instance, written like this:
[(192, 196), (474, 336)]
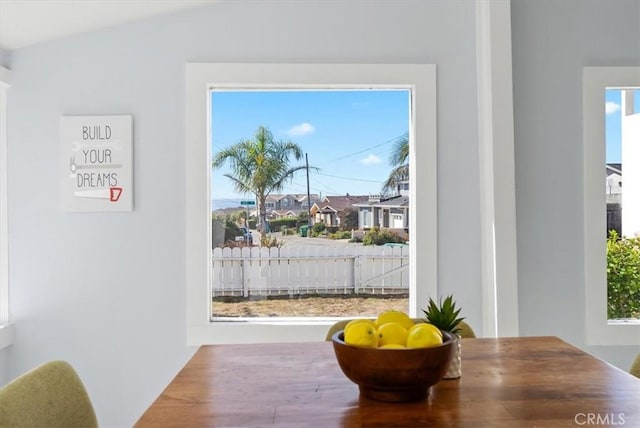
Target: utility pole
[(306, 157)]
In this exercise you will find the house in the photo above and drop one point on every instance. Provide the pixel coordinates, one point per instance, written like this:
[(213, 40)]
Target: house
[(390, 212), (288, 205), (386, 211), (330, 209), (613, 194), (108, 291), (274, 214), (623, 206)]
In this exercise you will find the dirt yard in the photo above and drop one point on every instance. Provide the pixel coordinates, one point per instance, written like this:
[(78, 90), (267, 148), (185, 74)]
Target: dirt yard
[(309, 306)]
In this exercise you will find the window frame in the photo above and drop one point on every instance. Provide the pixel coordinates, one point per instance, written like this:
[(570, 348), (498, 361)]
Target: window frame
[(599, 330), (6, 327), (200, 79)]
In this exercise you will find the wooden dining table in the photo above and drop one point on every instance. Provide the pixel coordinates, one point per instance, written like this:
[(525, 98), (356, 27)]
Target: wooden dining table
[(506, 382)]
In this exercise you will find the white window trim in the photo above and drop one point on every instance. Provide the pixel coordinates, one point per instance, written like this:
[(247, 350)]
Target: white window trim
[(600, 331), (498, 235), (200, 78), (6, 328)]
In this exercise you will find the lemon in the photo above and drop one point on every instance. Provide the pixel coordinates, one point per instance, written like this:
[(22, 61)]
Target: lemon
[(362, 334), (392, 333), (423, 336), (394, 316), (430, 326), (357, 321), (392, 346)]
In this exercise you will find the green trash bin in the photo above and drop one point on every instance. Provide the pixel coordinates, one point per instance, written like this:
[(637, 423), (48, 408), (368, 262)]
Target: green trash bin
[(304, 230)]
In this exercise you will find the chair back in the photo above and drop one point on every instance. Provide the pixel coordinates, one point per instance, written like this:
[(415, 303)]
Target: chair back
[(339, 325), (466, 331), (51, 395), (635, 367)]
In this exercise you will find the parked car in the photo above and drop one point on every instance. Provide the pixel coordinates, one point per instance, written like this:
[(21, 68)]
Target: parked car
[(246, 235)]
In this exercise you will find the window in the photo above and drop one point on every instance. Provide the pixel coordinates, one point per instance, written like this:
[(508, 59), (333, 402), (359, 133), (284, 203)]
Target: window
[(6, 329), (419, 79), (622, 155), (366, 218), (347, 136), (599, 198)]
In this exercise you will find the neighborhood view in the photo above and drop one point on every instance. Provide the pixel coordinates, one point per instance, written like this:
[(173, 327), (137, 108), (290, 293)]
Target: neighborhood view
[(622, 110), (310, 216)]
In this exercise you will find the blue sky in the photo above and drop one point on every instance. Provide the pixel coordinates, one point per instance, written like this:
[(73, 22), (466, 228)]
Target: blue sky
[(348, 135), (612, 123)]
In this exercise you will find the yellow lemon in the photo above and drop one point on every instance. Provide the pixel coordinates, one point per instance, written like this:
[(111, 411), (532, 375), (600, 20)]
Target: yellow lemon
[(423, 336), (357, 321), (392, 333), (430, 326), (392, 346), (394, 316), (362, 334)]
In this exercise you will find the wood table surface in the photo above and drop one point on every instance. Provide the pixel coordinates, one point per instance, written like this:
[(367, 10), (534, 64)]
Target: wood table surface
[(506, 382)]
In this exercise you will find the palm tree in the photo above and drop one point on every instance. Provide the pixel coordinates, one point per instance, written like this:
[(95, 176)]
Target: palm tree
[(259, 166), (400, 161)]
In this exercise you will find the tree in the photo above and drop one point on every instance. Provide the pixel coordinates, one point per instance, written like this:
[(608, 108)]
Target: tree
[(399, 160), (349, 219), (259, 166)]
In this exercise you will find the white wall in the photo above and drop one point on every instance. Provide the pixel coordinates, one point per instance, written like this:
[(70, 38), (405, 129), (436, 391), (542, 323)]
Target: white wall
[(5, 58), (552, 41), (106, 291)]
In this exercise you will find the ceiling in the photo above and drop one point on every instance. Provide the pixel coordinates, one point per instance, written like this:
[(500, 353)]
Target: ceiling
[(27, 22)]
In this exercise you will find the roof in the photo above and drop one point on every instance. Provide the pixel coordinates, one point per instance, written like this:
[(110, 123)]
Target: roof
[(297, 196), (339, 203), (286, 213), (393, 201), (398, 201), (614, 168)]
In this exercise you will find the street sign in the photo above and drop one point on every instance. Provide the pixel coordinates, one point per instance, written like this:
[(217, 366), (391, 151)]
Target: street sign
[(247, 202)]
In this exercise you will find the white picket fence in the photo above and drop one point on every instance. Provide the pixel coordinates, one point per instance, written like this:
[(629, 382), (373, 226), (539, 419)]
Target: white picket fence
[(309, 270)]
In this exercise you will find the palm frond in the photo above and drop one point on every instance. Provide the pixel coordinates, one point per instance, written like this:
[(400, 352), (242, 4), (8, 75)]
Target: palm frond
[(400, 153)]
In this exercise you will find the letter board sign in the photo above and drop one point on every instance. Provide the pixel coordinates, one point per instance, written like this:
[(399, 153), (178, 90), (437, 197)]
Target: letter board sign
[(96, 163)]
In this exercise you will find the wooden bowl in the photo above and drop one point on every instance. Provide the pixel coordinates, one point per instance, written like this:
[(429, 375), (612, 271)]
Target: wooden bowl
[(395, 375)]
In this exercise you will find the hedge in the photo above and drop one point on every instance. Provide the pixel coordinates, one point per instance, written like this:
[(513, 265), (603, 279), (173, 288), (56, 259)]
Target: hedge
[(623, 277)]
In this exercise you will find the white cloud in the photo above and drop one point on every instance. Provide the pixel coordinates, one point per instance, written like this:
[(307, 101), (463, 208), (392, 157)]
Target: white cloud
[(370, 160), (610, 107), (304, 128)]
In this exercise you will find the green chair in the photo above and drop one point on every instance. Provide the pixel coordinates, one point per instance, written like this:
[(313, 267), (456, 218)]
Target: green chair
[(635, 367), (466, 332), (465, 329), (339, 325), (51, 395)]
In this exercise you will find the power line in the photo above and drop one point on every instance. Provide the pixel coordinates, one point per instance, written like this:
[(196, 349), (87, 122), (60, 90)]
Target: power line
[(315, 188), (298, 187), (327, 189), (363, 150), (352, 179)]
